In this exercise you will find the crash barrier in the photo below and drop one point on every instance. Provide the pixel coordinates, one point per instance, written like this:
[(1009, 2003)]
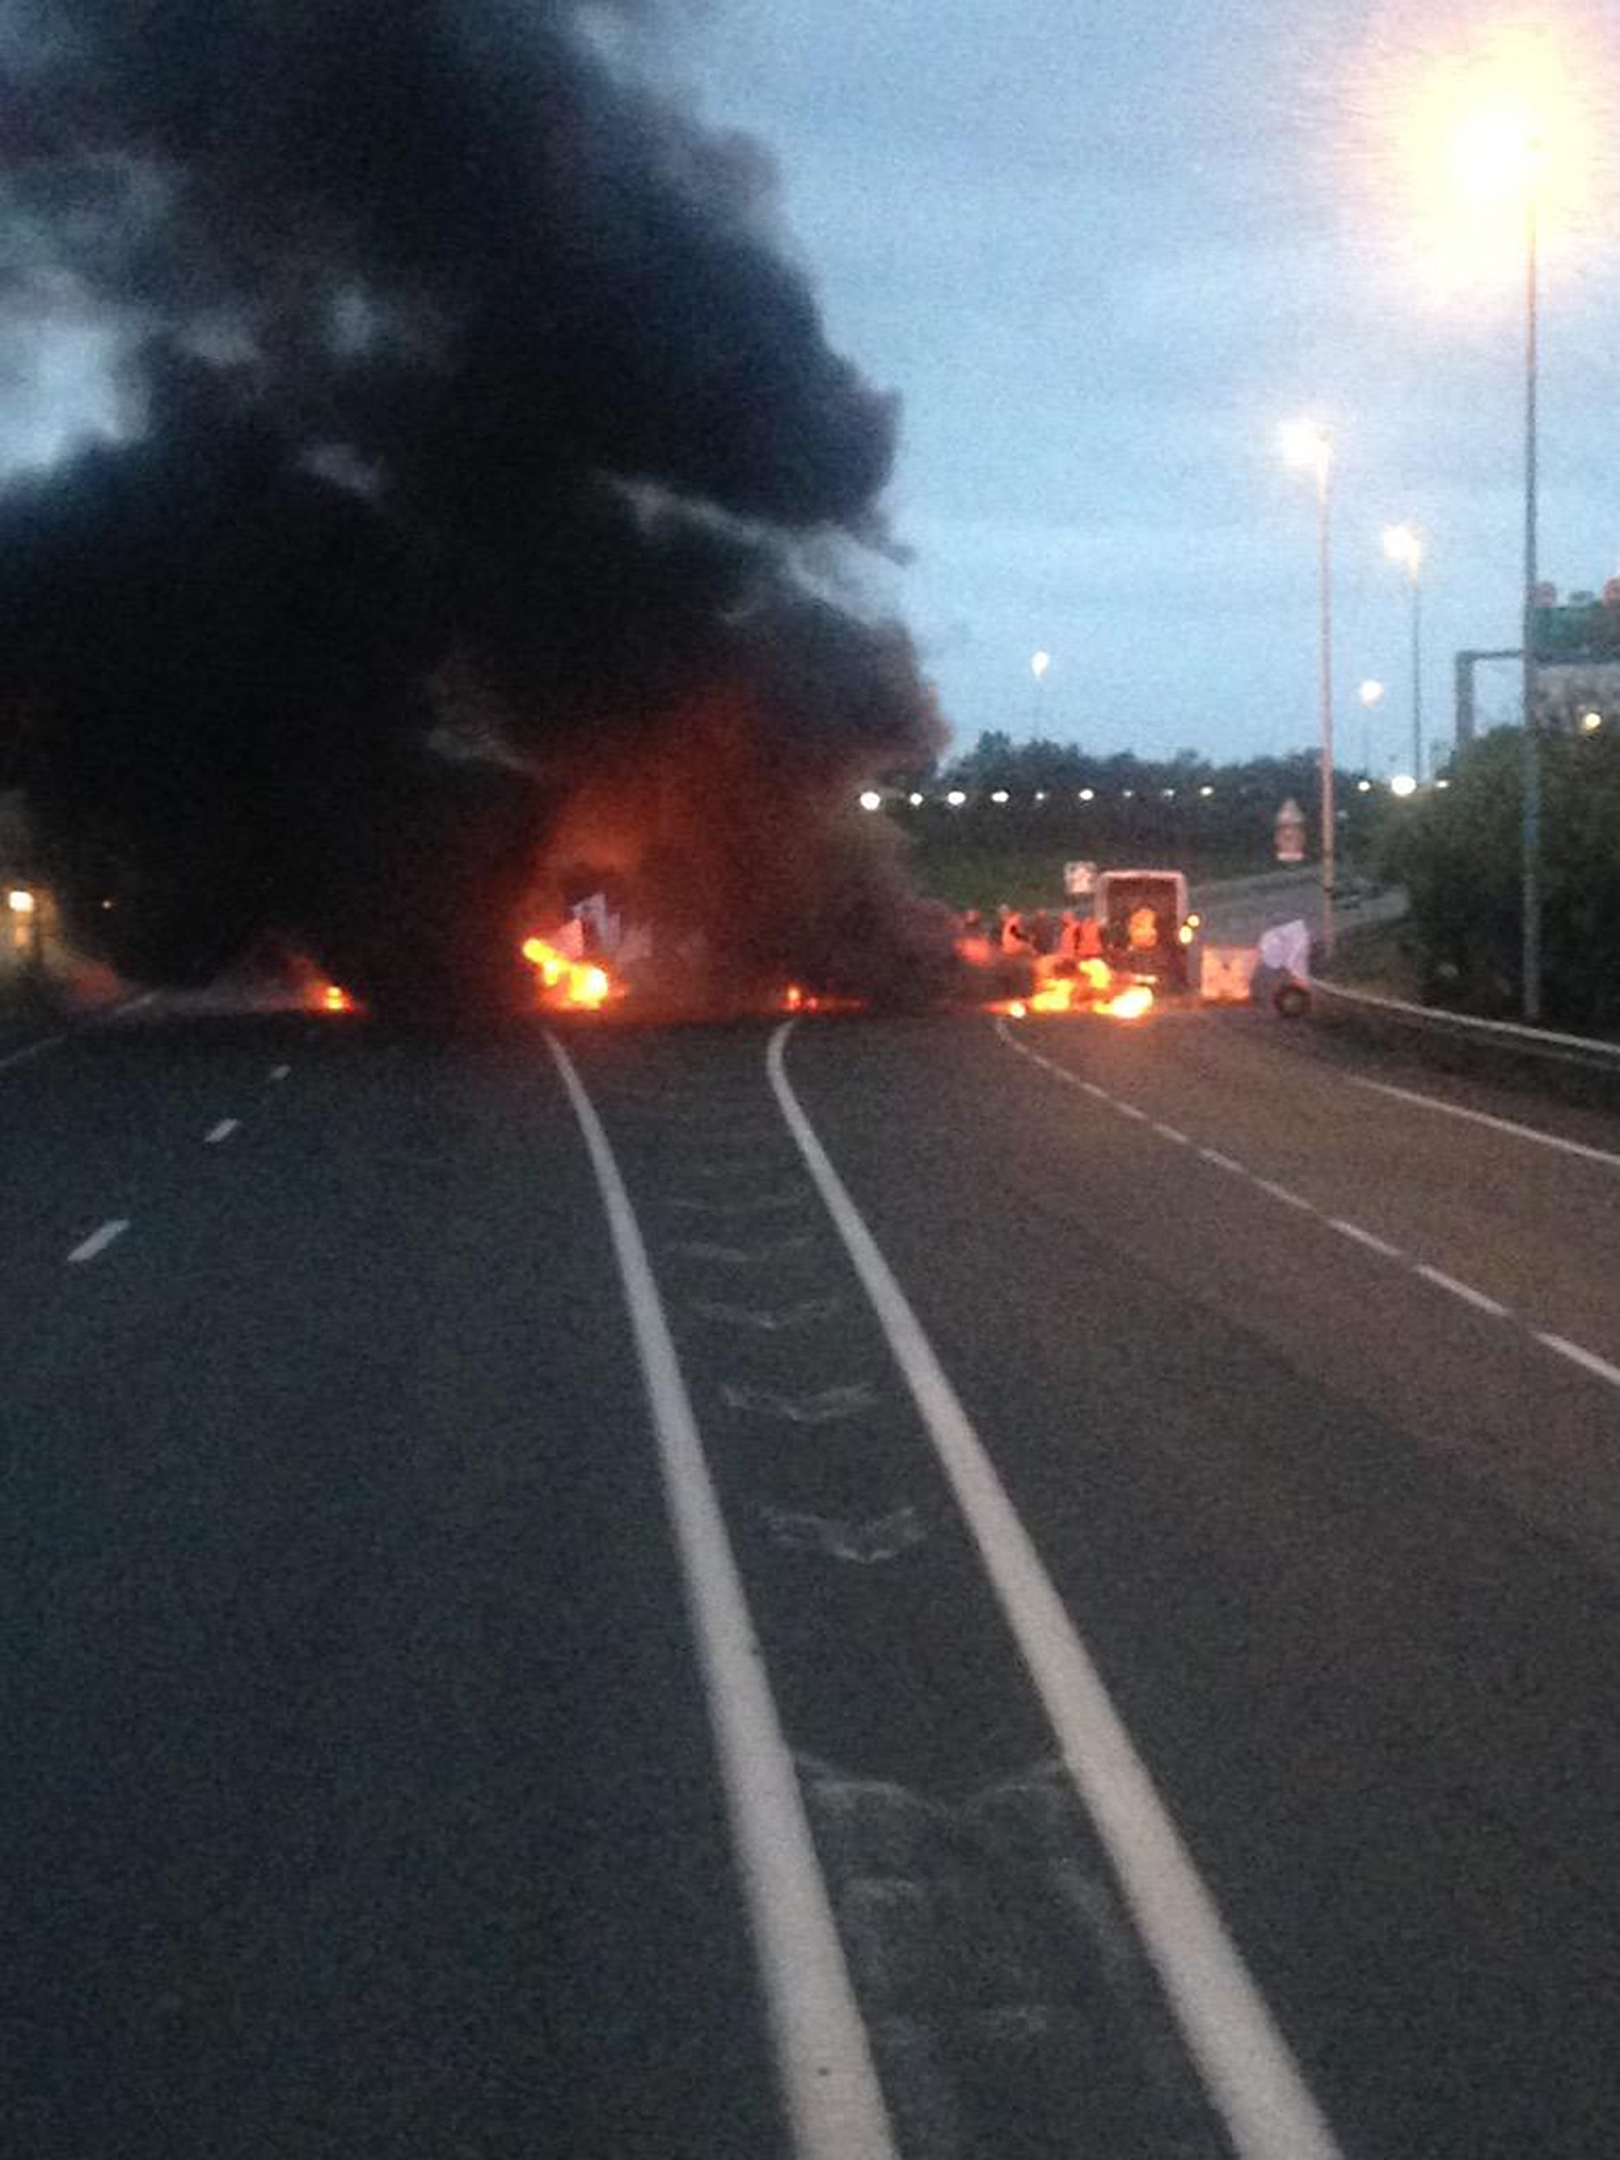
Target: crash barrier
[(1581, 1068)]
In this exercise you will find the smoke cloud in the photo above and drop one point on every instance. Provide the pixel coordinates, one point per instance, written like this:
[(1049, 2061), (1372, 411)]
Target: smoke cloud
[(484, 463)]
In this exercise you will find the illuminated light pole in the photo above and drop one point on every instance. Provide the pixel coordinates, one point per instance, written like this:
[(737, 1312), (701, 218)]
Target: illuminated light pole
[(1306, 443), (1531, 153), (1403, 544), (1038, 665)]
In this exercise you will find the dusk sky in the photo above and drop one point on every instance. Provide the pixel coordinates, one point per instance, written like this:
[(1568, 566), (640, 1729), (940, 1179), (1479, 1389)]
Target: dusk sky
[(1101, 254)]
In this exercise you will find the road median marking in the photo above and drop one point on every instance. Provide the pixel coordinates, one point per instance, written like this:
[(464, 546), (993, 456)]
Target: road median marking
[(222, 1131), (830, 2091), (1245, 2064)]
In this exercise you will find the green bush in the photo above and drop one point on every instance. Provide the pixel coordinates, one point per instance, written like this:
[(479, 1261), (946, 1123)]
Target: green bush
[(1457, 851)]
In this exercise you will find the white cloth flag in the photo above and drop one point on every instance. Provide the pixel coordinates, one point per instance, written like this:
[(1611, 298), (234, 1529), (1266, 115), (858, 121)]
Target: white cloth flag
[(1287, 946)]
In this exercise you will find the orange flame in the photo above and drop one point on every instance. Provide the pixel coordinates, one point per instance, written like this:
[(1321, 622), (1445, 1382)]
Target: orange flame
[(1089, 989), (579, 984)]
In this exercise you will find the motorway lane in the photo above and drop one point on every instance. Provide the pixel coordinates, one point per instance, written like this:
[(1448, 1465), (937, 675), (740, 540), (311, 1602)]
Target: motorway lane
[(358, 1795), (1379, 1695), (1528, 1226), (340, 1596)]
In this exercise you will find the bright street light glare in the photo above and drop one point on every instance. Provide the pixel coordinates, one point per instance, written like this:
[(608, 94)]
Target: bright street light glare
[(1088, 794), (1591, 722), (1403, 544), (20, 900), (1307, 444), (1403, 784), (1364, 787), (998, 794), (1466, 129), (956, 798), (1370, 692), (1039, 663), (915, 801), (871, 799)]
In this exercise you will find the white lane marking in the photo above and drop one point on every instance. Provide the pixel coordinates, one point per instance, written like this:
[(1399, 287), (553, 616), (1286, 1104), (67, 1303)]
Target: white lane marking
[(98, 1240), (280, 1072), (1588, 1360), (1465, 1291), (1287, 1196), (222, 1131), (1246, 2065), (1129, 1109), (1172, 1132), (1099, 1094), (830, 2089), (1496, 1124), (31, 1050), (1577, 1356), (1368, 1238), (1222, 1162)]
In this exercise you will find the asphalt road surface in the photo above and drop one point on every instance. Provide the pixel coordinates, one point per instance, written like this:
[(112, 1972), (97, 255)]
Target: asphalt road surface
[(957, 1589)]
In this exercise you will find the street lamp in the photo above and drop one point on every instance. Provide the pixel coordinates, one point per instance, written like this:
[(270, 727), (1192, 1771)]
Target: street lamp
[(1531, 156), (1307, 444), (1038, 664), (1403, 544)]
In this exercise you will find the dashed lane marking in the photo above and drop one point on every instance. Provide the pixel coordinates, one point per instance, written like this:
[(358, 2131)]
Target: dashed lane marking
[(1588, 1362), (1369, 1238), (98, 1240), (1172, 1133), (222, 1131), (1496, 1124), (1222, 1161), (833, 2102), (1465, 1291), (1284, 1193), (1245, 2063), (280, 1072)]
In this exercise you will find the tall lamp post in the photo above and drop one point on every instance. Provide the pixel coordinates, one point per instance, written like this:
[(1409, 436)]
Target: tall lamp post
[(1307, 444), (1403, 544), (1530, 838)]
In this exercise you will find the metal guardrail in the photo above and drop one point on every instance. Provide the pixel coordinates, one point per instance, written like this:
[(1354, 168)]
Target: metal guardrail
[(1506, 1035)]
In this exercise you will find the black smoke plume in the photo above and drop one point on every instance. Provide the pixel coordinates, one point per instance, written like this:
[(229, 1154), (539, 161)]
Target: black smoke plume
[(476, 515)]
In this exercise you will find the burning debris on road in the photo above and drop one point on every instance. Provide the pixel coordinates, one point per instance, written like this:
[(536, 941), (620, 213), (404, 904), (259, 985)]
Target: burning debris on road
[(484, 479)]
